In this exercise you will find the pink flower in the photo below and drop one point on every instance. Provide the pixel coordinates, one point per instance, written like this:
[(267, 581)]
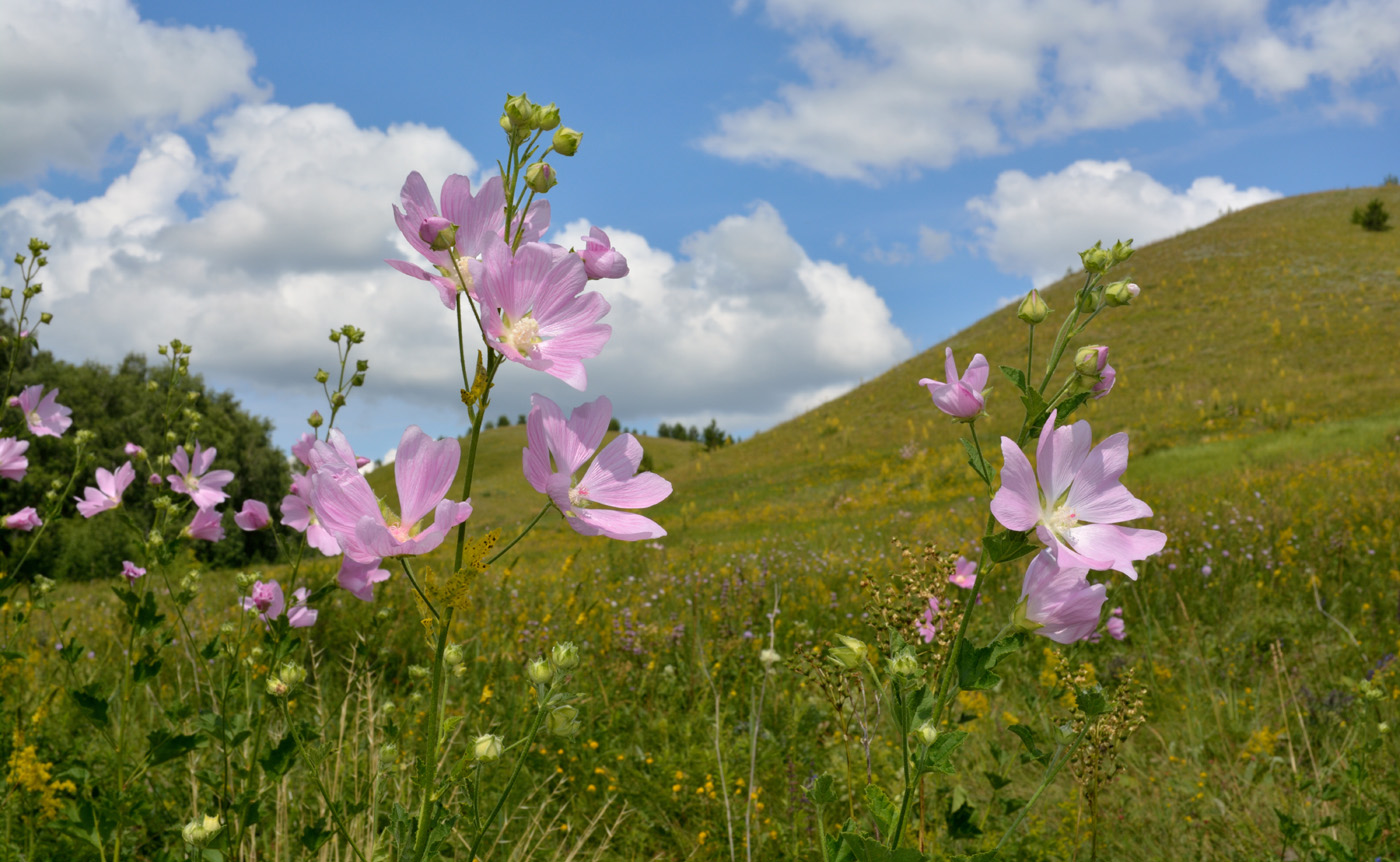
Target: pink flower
[(109, 490), (533, 310), (302, 448), (1078, 501), (25, 519), (962, 398), (298, 514), (254, 516), (266, 599), (600, 259), (1115, 626), (131, 571), (479, 220), (194, 477), (928, 629), (358, 579), (13, 463), (1092, 365), (207, 525), (299, 616), (1061, 600), (611, 480), (44, 415), (964, 573), (134, 451), (348, 509), (154, 479)]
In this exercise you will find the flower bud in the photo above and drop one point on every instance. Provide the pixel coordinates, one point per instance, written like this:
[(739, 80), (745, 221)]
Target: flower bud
[(45, 317), (314, 420), (198, 832), (540, 671), (566, 140), (565, 655), (6, 292), (243, 581), (1033, 309), (904, 664), (487, 748), (439, 233), (850, 656), (562, 721), (540, 177), (769, 657), (1090, 359), (276, 687), (452, 656), (1120, 293), (545, 117), (1096, 259), (926, 732), (520, 110), (292, 673), (362, 365), (417, 671), (1122, 251)]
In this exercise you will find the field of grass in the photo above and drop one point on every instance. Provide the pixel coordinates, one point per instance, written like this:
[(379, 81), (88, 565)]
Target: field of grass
[(1258, 383)]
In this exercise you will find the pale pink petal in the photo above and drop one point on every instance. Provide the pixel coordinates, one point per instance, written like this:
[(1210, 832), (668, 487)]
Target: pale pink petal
[(1017, 502), (1058, 457), (610, 479), (1121, 545), (423, 471), (359, 578), (624, 526)]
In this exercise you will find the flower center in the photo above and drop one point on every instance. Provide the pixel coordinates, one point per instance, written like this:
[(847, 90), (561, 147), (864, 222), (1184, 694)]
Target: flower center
[(192, 482), (523, 335), (32, 418), (578, 497), (1062, 521)]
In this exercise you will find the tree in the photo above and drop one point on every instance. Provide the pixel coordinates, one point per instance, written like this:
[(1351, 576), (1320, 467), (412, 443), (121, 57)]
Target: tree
[(503, 422), (1373, 217)]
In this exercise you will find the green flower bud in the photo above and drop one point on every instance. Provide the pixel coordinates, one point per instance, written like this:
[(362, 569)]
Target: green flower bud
[(1122, 251), (563, 722), (487, 748), (507, 124), (1120, 293), (540, 177), (417, 671), (45, 317), (314, 420), (566, 141), (850, 656), (6, 292), (545, 117), (292, 673), (276, 687), (362, 365), (520, 110), (1033, 309), (243, 581), (1096, 259), (904, 664), (540, 671), (452, 656), (565, 655), (926, 732)]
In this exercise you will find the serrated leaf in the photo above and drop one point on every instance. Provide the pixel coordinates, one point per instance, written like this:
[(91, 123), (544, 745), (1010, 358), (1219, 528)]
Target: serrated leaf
[(1036, 408), (939, 757), (1016, 376), (823, 790), (1008, 545), (1066, 408), (93, 705), (996, 781), (148, 617), (1028, 739), (978, 464), (1091, 701), (167, 746), (278, 760), (975, 663), (146, 667), (880, 806), (312, 837)]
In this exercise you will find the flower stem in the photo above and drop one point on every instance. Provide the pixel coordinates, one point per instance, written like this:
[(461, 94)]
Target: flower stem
[(1049, 776), (431, 742), (531, 526), (515, 773)]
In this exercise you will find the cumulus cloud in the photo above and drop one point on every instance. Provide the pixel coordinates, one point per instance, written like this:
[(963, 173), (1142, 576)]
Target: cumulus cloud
[(1035, 226), (901, 85), (289, 244), (75, 74)]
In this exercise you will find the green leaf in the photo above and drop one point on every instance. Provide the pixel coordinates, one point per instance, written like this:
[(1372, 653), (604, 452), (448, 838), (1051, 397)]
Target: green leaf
[(148, 617), (984, 856), (1028, 739), (312, 837), (167, 746), (1065, 408), (1016, 376), (1336, 849), (1008, 545), (975, 663), (1036, 409), (961, 822), (997, 781), (93, 705), (823, 792), (277, 761), (146, 667), (978, 464), (939, 757), (1091, 701), (11, 655), (881, 807)]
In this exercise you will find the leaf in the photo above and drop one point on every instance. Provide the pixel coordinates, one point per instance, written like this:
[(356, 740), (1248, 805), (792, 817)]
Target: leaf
[(1028, 739), (1091, 701), (823, 791), (278, 760), (93, 705), (312, 837), (997, 781), (146, 667), (1036, 409), (148, 617), (1066, 407), (472, 396), (1008, 545), (939, 757), (1016, 376), (978, 464), (880, 806), (975, 663), (961, 823), (167, 746)]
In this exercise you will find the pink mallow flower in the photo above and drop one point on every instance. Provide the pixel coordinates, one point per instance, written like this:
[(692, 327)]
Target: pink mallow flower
[(534, 311), (109, 490), (207, 525), (254, 516), (611, 480), (964, 573), (192, 476), (13, 463), (928, 628), (1079, 500), (268, 602), (1060, 602), (133, 450), (1092, 365), (25, 519), (1115, 626), (962, 398), (298, 514), (348, 509), (131, 571), (479, 218), (42, 413), (600, 259)]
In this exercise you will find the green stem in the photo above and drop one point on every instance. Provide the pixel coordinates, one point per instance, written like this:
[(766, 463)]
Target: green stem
[(431, 742), (1063, 336), (515, 773), (977, 444), (408, 570), (1045, 782), (320, 785), (947, 676), (1030, 353), (906, 795), (531, 526)]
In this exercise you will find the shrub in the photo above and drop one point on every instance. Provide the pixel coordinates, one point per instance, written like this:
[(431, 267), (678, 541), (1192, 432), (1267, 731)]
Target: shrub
[(1373, 217)]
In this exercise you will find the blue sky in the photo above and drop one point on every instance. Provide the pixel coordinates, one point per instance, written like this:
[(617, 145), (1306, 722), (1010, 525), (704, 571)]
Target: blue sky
[(809, 191)]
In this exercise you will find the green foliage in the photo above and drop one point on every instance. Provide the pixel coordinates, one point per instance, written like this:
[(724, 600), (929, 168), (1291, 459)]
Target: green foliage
[(1373, 217)]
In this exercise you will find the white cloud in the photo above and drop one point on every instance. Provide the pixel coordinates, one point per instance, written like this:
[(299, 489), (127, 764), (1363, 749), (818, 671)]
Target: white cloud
[(75, 74), (1036, 226), (901, 85), (934, 244), (291, 244), (1339, 42)]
